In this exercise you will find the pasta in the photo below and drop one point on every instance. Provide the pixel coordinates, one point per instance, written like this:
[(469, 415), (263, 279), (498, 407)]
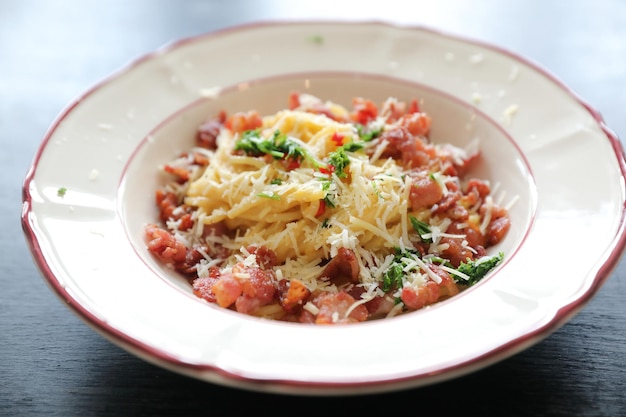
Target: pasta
[(326, 214)]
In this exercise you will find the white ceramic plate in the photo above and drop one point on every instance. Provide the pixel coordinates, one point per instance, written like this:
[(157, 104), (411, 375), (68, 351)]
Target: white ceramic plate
[(542, 144)]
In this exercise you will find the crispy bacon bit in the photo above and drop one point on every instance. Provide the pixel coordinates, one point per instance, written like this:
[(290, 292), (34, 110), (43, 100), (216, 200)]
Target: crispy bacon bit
[(167, 202), (200, 159), (194, 256), (214, 229), (344, 266), (240, 122), (243, 289), (472, 234), (404, 146), (265, 258), (392, 110), (378, 306), (456, 169), (337, 308), (497, 230), (447, 202), (182, 174), (424, 192), (482, 187), (455, 252), (164, 245), (207, 133), (169, 209), (203, 287), (227, 289), (257, 290), (431, 292), (293, 101), (416, 123), (498, 227), (294, 297), (312, 105), (171, 251)]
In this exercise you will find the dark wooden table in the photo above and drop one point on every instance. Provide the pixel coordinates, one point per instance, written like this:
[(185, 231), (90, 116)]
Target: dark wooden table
[(53, 364)]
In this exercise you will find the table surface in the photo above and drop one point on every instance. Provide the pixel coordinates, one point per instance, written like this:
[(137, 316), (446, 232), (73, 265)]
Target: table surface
[(53, 364)]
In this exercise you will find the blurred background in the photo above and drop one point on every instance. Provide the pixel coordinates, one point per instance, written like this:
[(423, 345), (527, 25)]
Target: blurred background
[(68, 45)]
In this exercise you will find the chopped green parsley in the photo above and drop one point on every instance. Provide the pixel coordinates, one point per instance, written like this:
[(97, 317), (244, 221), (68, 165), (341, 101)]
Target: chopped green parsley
[(392, 277), (421, 228), (366, 134), (279, 146), (478, 268), (269, 195), (317, 39)]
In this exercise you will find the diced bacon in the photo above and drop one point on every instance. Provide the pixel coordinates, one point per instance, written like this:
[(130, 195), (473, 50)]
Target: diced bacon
[(470, 199), (293, 298), (240, 122), (344, 266), (455, 252), (171, 251), (392, 110), (497, 229), (169, 209), (447, 202), (200, 159), (214, 229), (247, 305), (447, 286), (164, 245), (259, 285), (227, 289), (430, 292), (414, 107), (424, 192), (334, 306), (499, 223), (404, 146), (378, 306), (181, 174), (472, 235), (457, 213), (167, 202), (416, 123), (265, 258), (188, 266), (463, 168), (207, 133), (416, 298), (312, 104), (293, 101), (482, 187), (203, 287)]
